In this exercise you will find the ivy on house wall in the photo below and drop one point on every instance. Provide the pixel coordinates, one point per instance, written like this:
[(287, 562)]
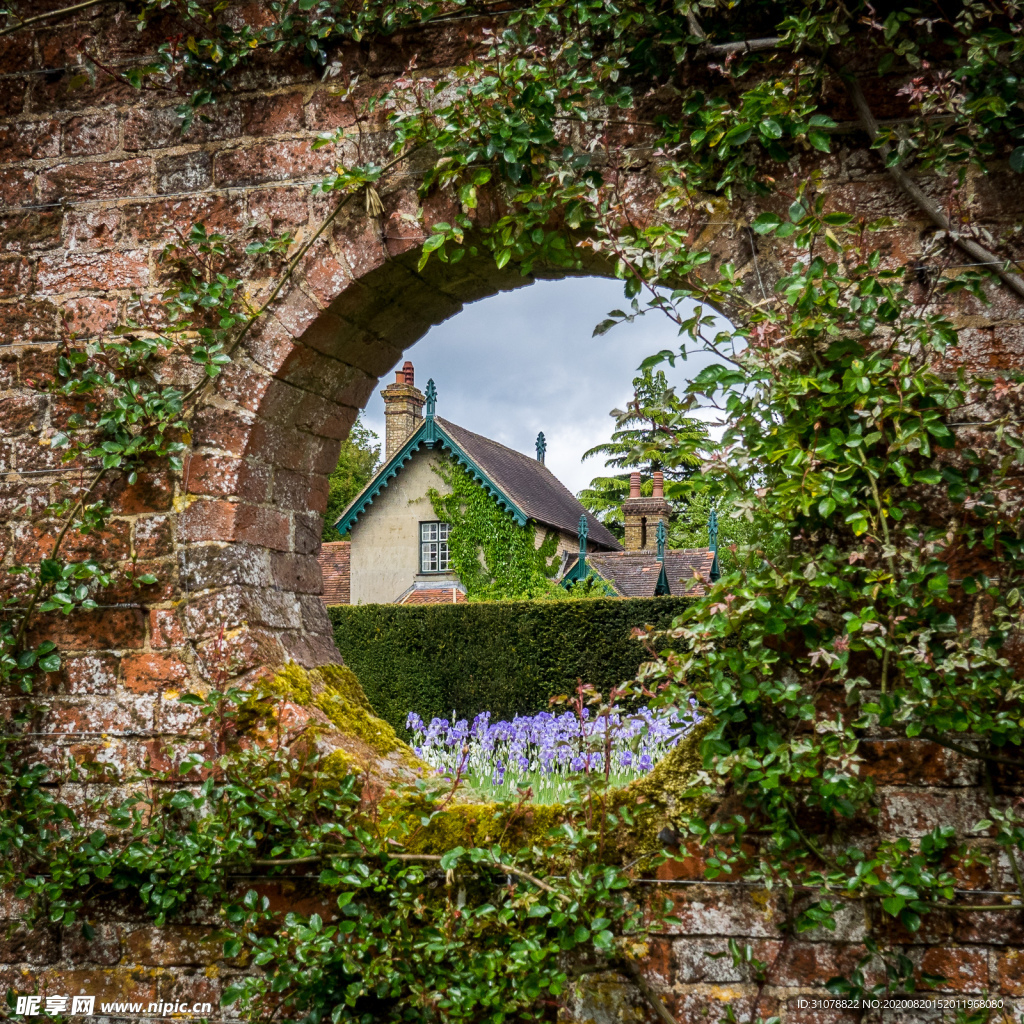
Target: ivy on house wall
[(494, 557)]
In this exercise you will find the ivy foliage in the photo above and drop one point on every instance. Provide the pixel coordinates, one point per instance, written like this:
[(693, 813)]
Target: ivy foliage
[(881, 460), (474, 934), (494, 557)]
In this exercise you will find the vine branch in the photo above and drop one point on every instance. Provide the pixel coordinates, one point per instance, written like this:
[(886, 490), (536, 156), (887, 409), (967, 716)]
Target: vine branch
[(928, 205)]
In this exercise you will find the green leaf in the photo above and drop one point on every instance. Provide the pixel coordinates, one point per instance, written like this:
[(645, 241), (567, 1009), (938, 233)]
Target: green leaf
[(819, 140), (764, 223), (770, 128), (1017, 160), (449, 860)]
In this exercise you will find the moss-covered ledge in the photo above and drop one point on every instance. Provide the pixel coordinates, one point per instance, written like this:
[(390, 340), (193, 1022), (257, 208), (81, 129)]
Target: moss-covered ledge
[(325, 710)]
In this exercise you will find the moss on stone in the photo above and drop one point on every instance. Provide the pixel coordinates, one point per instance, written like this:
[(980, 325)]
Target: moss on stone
[(335, 690), (664, 796)]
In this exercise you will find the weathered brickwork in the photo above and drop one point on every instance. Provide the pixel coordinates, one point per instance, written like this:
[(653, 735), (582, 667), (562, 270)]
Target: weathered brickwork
[(94, 181)]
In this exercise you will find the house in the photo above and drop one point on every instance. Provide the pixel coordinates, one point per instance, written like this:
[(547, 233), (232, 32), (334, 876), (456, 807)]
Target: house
[(398, 549), (642, 570)]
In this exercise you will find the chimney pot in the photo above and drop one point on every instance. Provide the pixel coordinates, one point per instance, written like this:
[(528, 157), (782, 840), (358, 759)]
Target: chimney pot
[(407, 370), (634, 485), (659, 484)]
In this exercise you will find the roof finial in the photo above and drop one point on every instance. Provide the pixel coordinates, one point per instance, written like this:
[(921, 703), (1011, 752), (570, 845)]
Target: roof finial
[(431, 399), (716, 572), (582, 532), (660, 534), (542, 447)]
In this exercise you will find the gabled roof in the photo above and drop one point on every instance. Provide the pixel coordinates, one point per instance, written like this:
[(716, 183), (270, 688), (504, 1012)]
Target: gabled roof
[(640, 574), (521, 485), (434, 592), (334, 567)]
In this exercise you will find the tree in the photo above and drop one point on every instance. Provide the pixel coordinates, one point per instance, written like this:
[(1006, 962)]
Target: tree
[(360, 452), (652, 433)]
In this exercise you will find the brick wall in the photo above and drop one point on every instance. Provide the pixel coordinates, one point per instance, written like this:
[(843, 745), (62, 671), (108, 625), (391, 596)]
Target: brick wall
[(94, 179)]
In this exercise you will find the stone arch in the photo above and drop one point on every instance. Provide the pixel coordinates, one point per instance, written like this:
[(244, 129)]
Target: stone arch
[(255, 482)]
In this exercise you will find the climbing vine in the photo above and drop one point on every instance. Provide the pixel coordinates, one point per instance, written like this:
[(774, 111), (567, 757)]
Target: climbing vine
[(494, 557), (882, 461)]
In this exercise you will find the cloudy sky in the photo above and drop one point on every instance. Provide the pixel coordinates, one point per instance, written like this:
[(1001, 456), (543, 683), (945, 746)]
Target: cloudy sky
[(524, 361)]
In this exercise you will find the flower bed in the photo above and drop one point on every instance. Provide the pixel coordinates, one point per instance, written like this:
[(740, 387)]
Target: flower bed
[(548, 752)]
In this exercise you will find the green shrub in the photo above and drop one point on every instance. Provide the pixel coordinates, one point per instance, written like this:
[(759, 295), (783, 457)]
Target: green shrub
[(504, 657)]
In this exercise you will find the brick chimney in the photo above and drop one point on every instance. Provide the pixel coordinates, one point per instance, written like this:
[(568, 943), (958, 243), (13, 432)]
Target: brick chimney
[(403, 410), (643, 514)]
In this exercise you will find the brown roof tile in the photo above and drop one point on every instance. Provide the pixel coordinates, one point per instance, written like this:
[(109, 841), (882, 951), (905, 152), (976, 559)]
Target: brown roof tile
[(334, 567), (635, 573), (451, 594), (530, 484)]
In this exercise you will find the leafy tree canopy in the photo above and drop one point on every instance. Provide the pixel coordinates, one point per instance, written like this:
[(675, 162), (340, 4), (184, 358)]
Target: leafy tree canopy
[(360, 453)]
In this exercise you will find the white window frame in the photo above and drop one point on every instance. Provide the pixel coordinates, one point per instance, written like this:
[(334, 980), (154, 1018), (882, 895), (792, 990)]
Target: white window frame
[(434, 554)]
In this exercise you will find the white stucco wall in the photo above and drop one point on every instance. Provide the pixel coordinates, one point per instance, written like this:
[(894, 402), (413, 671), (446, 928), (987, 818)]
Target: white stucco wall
[(386, 537), (385, 553)]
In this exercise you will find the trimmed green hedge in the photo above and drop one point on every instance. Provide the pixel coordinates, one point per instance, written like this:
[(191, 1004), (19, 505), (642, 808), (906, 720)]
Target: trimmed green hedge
[(504, 657)]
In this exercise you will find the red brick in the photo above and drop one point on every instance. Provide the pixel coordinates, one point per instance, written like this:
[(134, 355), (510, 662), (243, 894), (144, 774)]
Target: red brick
[(102, 629), (722, 910), (91, 673), (270, 161), (16, 186), (107, 985), (243, 386), (15, 276), (29, 231), (21, 412), (273, 114), (29, 140), (226, 429), (149, 673), (226, 521), (269, 344), (165, 628), (23, 322), (267, 527), (125, 717), (89, 135), (222, 475), (166, 220), (193, 986), (966, 970), (106, 271), (241, 652), (151, 127), (92, 229), (104, 948), (298, 573), (115, 179), (1010, 973), (154, 537), (88, 317), (34, 541)]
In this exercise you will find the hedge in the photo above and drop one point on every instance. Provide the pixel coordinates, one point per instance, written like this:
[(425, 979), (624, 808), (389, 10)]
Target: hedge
[(504, 657)]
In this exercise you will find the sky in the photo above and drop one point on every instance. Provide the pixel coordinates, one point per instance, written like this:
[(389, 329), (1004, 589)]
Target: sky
[(523, 361)]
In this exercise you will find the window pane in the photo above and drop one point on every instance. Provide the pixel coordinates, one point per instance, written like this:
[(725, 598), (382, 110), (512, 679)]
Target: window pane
[(428, 531), (442, 531), (428, 558)]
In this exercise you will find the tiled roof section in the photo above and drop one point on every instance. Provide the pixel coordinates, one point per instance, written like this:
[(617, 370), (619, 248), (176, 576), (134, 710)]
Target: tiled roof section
[(681, 568), (334, 566), (635, 573), (530, 484), (444, 593)]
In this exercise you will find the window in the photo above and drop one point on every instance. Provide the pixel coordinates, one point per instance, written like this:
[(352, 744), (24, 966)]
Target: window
[(434, 547)]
